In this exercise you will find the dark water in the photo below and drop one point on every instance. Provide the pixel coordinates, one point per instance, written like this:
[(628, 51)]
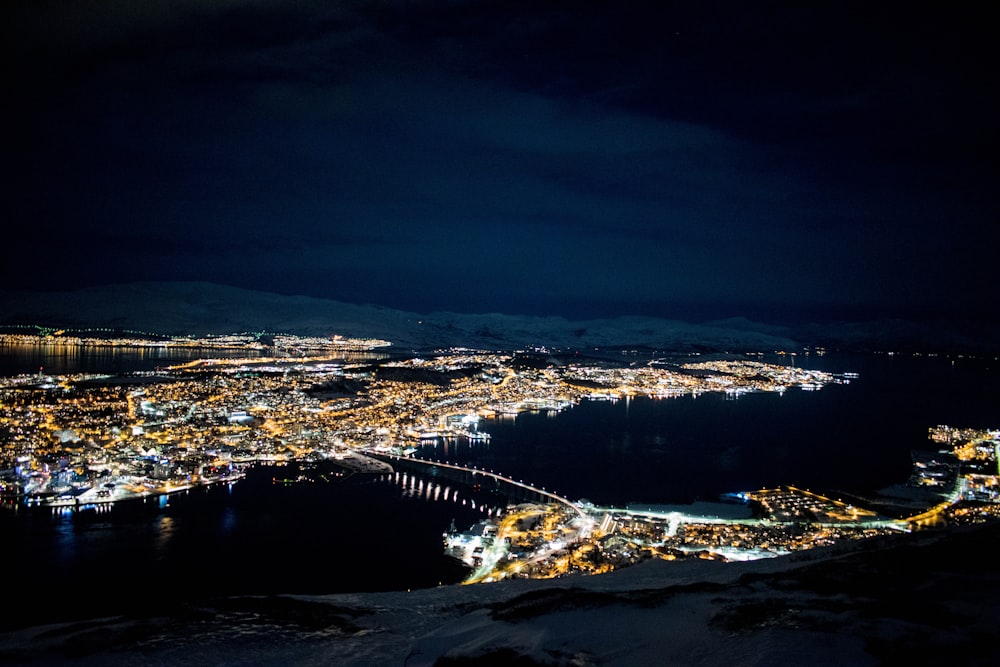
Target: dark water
[(254, 537), (851, 437), (372, 533), (18, 359)]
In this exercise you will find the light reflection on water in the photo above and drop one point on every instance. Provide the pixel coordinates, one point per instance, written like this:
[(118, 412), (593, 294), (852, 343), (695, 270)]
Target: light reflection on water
[(22, 358), (164, 533), (63, 359), (228, 520), (416, 486)]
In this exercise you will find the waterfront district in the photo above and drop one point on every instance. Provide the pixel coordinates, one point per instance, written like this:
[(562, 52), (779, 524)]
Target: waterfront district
[(79, 442)]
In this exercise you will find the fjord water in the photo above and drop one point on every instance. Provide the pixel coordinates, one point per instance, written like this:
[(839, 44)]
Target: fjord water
[(23, 358), (253, 537), (854, 437), (382, 533)]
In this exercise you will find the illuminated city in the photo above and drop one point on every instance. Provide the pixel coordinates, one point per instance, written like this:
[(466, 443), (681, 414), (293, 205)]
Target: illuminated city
[(83, 441), (538, 333)]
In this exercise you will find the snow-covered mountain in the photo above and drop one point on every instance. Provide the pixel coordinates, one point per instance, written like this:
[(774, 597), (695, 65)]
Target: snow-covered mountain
[(927, 598), (174, 308), (201, 308)]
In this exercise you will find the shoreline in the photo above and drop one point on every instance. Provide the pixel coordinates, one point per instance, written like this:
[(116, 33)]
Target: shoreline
[(90, 499)]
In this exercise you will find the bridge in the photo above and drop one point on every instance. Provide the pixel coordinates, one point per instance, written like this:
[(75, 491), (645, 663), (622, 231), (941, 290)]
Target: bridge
[(472, 476)]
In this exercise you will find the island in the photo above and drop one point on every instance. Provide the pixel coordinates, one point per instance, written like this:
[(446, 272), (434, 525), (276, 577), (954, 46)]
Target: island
[(84, 440)]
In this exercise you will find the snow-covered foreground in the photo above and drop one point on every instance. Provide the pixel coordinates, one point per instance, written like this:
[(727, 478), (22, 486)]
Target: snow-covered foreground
[(929, 598)]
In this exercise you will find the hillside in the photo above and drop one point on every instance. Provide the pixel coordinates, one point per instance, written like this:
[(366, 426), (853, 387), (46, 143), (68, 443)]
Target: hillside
[(928, 598)]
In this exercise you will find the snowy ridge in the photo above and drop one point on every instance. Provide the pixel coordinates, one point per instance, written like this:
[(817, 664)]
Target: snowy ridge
[(924, 598), (204, 308), (173, 308)]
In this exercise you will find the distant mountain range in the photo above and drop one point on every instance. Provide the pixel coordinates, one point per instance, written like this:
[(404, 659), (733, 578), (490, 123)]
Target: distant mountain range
[(173, 308)]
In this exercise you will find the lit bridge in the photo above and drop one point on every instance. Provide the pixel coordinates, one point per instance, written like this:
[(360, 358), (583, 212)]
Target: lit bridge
[(472, 476)]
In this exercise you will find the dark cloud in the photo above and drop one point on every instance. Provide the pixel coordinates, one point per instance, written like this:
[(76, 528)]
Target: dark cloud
[(701, 159)]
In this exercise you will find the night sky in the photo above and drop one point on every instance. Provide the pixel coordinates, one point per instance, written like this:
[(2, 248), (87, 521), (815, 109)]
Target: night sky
[(692, 160)]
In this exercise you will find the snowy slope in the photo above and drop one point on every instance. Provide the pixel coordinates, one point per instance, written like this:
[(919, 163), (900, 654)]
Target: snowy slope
[(930, 598)]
